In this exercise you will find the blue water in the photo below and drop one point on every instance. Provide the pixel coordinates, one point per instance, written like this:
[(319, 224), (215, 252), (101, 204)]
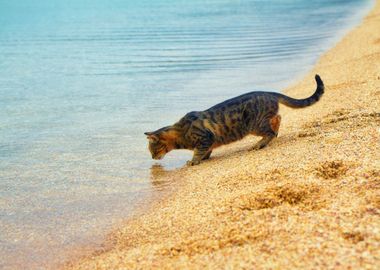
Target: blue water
[(81, 81)]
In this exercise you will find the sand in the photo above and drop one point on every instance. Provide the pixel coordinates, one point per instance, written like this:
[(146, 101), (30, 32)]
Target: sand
[(311, 200)]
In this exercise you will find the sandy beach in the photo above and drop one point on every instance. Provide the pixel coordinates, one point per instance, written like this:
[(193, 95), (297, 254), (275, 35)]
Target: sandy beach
[(310, 200)]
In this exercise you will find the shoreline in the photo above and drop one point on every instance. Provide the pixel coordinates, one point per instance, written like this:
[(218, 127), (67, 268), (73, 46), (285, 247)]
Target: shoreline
[(308, 200)]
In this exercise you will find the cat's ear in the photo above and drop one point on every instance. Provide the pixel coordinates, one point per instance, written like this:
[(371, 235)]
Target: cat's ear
[(151, 136)]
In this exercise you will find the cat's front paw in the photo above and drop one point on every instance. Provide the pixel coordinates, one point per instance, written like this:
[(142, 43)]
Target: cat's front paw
[(192, 162), (255, 148), (258, 146)]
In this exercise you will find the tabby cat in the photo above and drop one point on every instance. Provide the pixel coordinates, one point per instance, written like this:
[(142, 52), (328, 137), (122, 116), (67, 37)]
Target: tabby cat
[(253, 113)]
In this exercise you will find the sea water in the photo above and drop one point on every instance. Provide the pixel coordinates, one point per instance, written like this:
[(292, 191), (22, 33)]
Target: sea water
[(82, 80)]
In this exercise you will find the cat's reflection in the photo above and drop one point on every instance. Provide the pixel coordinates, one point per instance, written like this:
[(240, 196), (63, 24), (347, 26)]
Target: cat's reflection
[(159, 177)]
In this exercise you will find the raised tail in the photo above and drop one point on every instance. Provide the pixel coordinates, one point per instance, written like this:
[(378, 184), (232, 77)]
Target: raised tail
[(301, 103)]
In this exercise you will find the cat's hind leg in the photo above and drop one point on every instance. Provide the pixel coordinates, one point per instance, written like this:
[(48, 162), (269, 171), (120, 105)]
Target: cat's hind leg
[(268, 130), (275, 123)]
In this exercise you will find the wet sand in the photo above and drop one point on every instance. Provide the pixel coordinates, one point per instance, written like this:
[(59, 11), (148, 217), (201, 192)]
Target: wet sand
[(311, 199)]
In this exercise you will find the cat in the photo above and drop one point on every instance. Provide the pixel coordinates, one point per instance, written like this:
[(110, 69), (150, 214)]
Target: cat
[(254, 113)]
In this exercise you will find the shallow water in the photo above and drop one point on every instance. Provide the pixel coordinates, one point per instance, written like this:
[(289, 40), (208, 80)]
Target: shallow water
[(82, 80)]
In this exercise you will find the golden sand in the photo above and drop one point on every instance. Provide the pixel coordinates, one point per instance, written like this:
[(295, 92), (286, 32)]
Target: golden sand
[(309, 200)]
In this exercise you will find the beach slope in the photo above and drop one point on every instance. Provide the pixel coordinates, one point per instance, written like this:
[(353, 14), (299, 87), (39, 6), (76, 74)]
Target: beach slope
[(310, 200)]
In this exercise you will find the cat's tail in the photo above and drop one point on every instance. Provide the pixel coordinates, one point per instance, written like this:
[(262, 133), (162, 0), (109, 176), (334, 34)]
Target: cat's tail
[(301, 103)]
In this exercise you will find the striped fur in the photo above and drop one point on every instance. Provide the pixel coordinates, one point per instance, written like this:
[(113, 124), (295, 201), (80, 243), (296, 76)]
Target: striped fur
[(253, 113)]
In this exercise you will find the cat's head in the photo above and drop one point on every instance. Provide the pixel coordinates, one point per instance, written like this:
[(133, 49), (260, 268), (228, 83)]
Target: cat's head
[(161, 141)]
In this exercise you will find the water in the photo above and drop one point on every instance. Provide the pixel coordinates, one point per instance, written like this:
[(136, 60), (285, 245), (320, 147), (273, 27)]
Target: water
[(82, 80)]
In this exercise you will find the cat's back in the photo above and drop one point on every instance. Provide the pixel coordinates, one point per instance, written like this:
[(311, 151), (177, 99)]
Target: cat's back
[(229, 114), (239, 103)]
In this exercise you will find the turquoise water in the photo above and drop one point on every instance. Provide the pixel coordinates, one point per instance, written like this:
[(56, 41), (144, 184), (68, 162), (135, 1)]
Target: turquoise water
[(81, 81)]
